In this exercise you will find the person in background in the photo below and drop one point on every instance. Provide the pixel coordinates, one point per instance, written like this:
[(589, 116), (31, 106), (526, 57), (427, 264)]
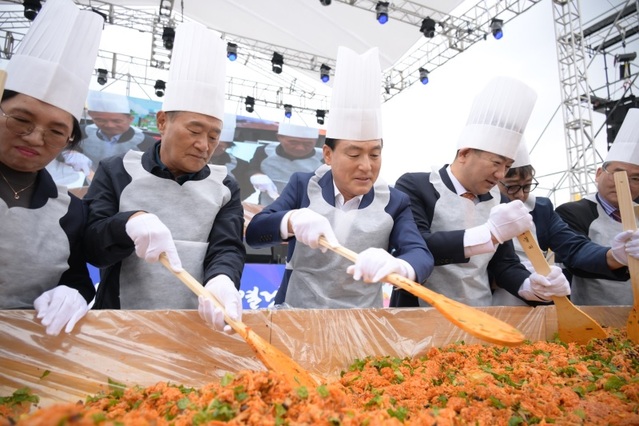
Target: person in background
[(460, 214), (597, 217), (236, 167), (575, 251), (168, 199), (345, 201), (272, 165), (42, 262)]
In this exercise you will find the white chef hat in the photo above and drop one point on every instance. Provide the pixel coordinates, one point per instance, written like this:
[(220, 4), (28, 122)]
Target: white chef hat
[(356, 106), (56, 57), (521, 157), (498, 117), (228, 131), (294, 130), (626, 145), (108, 102), (197, 73)]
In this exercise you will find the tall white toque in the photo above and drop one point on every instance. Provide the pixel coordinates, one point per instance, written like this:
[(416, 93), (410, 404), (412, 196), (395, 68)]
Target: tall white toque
[(197, 75), (626, 145), (57, 55), (356, 104), (498, 117), (228, 131), (108, 102), (522, 158)]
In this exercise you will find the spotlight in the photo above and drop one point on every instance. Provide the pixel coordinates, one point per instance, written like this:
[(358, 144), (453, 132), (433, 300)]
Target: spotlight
[(325, 2), (277, 62), (423, 75), (168, 36), (160, 87), (250, 103), (288, 111), (496, 26), (102, 76), (31, 9), (428, 27), (382, 12), (324, 73), (320, 114), (231, 51)]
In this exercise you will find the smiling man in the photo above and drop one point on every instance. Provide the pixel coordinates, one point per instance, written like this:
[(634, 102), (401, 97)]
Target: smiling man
[(459, 212), (168, 199), (345, 201)]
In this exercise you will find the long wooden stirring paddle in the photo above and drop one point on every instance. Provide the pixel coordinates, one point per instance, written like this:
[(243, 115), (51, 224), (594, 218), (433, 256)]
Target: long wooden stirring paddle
[(629, 223), (574, 325), (269, 355), (475, 322)]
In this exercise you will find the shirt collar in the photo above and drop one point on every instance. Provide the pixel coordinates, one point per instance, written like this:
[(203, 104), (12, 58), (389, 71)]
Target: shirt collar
[(353, 203), (113, 139), (608, 208), (459, 188), (180, 179)]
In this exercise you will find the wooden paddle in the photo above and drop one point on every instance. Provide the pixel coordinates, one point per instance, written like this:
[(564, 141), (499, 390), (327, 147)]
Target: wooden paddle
[(574, 325), (629, 224), (476, 322), (271, 357)]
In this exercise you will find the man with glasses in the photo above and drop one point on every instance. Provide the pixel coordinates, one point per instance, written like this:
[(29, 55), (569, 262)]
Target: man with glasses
[(459, 210), (576, 252), (597, 217)]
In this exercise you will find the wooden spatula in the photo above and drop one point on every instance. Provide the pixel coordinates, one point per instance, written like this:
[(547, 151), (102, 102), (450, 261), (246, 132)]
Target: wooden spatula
[(574, 325), (271, 357), (629, 224), (471, 320)]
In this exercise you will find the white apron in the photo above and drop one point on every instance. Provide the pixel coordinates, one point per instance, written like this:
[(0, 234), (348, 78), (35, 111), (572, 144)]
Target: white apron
[(97, 149), (31, 263), (319, 280), (502, 297), (597, 291), (464, 282), (189, 211), (280, 169)]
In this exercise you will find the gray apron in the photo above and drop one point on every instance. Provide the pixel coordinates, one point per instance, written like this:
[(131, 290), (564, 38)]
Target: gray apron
[(30, 263), (502, 297), (280, 169), (594, 291), (97, 149), (464, 282), (319, 280), (189, 211)]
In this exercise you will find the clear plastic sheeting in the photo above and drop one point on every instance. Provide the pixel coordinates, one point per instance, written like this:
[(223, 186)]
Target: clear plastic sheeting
[(146, 347)]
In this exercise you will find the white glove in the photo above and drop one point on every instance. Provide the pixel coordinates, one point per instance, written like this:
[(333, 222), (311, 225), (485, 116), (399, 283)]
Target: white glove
[(152, 238), (373, 264), (77, 160), (541, 288), (625, 243), (223, 288), (263, 183), (59, 306), (308, 226), (509, 220)]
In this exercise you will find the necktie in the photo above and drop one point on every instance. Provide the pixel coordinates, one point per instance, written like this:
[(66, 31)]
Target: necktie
[(469, 195), (616, 215)]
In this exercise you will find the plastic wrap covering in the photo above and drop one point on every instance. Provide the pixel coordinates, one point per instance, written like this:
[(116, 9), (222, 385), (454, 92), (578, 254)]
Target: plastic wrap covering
[(145, 347)]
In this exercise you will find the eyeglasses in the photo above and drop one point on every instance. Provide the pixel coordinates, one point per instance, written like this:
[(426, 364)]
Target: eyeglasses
[(22, 127), (632, 180), (513, 189)]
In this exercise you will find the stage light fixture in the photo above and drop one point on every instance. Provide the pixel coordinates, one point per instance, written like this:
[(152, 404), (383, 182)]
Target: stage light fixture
[(168, 37), (160, 87), (31, 9), (496, 26), (428, 27), (382, 12), (249, 102), (231, 51), (277, 63), (325, 73), (320, 114), (288, 111), (423, 75), (325, 2), (102, 76)]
